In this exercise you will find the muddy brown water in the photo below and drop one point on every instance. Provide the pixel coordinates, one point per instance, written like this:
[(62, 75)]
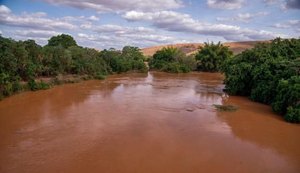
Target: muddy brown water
[(143, 123)]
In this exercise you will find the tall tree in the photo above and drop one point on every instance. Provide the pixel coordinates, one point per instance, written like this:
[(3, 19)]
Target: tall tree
[(211, 56), (63, 40)]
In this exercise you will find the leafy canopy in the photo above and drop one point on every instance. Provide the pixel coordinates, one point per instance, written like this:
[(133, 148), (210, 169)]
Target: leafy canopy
[(26, 60), (211, 57), (63, 40), (268, 73), (170, 59)]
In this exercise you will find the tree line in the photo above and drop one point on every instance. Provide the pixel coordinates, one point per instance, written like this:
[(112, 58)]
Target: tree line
[(24, 61), (209, 58), (269, 73)]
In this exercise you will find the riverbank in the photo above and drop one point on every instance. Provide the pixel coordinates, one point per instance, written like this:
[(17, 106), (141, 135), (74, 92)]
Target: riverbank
[(42, 83)]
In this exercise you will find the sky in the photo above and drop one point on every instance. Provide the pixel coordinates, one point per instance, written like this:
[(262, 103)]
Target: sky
[(107, 24)]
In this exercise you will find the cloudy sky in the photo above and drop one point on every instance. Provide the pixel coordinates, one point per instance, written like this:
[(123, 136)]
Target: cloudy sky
[(115, 23)]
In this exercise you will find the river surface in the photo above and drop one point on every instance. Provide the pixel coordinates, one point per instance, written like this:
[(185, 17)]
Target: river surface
[(143, 123)]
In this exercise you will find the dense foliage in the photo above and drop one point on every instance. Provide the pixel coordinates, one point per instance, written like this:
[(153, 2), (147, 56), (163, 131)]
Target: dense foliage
[(211, 56), (24, 61), (130, 58), (62, 40), (173, 60), (268, 73)]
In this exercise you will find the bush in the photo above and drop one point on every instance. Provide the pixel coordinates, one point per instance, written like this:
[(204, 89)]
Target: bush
[(25, 60), (268, 73), (100, 76), (8, 85), (211, 57), (287, 94), (172, 60), (293, 114), (129, 59), (34, 86), (175, 67)]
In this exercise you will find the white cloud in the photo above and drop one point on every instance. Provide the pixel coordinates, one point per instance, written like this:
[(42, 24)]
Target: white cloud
[(93, 18), (290, 24), (41, 27), (121, 29), (4, 9), (120, 5), (33, 20), (86, 25), (269, 2), (106, 36), (173, 21), (242, 17), (80, 18), (37, 33), (225, 4)]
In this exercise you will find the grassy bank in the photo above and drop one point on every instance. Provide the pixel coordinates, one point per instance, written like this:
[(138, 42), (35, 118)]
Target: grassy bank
[(43, 83)]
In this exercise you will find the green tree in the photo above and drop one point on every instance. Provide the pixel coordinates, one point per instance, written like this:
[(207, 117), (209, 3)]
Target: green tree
[(170, 59), (63, 40), (268, 73), (26, 60), (212, 56), (57, 60), (288, 95)]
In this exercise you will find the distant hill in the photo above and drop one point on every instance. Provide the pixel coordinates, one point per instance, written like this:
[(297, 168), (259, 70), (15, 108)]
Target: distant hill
[(190, 48)]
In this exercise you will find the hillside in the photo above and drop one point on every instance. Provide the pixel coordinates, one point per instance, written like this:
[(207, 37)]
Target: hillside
[(190, 48)]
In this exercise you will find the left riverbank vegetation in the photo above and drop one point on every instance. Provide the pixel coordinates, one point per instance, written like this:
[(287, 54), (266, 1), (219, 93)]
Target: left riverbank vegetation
[(25, 65)]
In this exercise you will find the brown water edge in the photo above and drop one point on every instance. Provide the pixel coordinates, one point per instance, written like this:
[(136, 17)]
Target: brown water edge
[(143, 123)]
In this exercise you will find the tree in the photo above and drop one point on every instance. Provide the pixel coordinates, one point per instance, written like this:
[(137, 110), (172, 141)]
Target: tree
[(170, 59), (168, 54), (62, 40), (287, 99), (268, 73), (212, 56), (26, 60)]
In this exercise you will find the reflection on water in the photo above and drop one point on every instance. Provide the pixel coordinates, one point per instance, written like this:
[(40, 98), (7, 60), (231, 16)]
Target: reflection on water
[(153, 122)]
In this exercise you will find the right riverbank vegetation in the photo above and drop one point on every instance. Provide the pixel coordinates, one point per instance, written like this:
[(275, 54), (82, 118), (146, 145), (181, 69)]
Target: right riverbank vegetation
[(269, 73)]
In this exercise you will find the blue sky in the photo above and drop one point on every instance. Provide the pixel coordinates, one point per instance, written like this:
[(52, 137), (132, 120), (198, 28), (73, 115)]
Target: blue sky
[(115, 23)]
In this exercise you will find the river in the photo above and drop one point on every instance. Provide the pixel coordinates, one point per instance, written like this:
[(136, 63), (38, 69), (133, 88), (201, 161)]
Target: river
[(143, 123)]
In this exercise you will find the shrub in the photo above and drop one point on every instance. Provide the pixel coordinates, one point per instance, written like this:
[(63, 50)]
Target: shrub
[(293, 114), (175, 67), (172, 60), (25, 60), (287, 94), (268, 73), (34, 86), (9, 85), (100, 76), (211, 57)]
